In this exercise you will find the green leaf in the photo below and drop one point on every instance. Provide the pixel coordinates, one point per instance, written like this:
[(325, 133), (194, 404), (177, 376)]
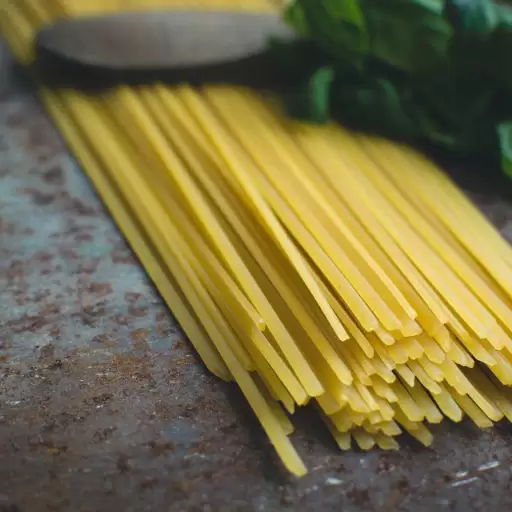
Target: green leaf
[(374, 105), (312, 102), (475, 23), (410, 35), (320, 94), (473, 16), (337, 25), (414, 70), (499, 54), (455, 99), (295, 17), (505, 138)]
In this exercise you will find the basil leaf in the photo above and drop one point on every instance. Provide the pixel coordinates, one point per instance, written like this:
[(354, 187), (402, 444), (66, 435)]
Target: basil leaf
[(410, 35), (374, 105), (320, 93), (295, 17), (312, 102), (337, 25), (473, 16), (433, 71), (505, 139)]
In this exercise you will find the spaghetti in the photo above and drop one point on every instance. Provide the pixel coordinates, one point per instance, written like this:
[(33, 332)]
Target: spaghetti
[(305, 263)]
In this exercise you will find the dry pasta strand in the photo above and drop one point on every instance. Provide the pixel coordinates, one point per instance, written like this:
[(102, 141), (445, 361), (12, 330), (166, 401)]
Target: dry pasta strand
[(304, 263)]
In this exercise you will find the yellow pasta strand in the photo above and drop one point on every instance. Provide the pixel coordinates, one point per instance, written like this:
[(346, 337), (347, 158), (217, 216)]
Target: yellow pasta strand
[(303, 262)]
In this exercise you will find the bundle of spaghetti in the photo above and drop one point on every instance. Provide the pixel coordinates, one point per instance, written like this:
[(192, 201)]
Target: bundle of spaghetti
[(306, 263)]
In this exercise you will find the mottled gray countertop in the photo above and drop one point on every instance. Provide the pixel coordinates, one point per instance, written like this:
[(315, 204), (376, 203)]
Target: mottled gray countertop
[(105, 407)]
